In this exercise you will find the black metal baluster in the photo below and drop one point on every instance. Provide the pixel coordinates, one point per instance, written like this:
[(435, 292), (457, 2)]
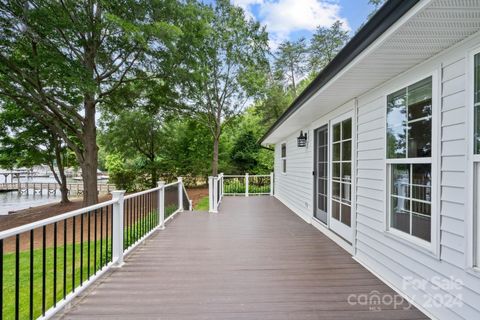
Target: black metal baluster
[(54, 264), (31, 275), (88, 246), (64, 258), (1, 278), (81, 248), (95, 242), (44, 267), (74, 233), (17, 276), (142, 213), (131, 227), (101, 237)]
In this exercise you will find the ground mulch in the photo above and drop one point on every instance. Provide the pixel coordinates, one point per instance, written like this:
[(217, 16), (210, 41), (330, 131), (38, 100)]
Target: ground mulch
[(33, 214)]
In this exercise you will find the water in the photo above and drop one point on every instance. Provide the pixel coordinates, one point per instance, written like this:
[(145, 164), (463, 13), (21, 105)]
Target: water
[(13, 201)]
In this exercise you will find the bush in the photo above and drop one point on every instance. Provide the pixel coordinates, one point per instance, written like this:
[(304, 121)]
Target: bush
[(119, 173)]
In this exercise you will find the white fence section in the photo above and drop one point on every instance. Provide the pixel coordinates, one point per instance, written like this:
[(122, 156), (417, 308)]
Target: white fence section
[(237, 185), (70, 251)]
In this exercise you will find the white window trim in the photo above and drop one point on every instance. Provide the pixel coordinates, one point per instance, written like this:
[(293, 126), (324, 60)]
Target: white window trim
[(472, 221), (282, 158), (431, 247)]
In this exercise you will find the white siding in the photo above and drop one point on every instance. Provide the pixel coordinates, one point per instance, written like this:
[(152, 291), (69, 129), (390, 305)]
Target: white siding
[(295, 187), (387, 255)]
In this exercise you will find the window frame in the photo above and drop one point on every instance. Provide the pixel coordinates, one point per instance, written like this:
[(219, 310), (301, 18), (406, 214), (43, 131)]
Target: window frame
[(472, 224), (283, 159), (408, 239)]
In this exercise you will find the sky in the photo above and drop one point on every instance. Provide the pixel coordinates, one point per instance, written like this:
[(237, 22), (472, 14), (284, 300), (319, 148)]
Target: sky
[(293, 19)]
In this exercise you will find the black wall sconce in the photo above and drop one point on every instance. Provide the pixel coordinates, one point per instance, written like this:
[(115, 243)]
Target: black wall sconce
[(302, 140)]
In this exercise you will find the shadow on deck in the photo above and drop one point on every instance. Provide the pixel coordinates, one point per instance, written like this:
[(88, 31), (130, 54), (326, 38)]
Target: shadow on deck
[(254, 260)]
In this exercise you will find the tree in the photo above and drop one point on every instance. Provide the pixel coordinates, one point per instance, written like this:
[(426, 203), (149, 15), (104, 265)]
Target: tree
[(325, 44), (230, 71), (135, 133), (61, 69), (25, 143), (244, 152), (290, 62)]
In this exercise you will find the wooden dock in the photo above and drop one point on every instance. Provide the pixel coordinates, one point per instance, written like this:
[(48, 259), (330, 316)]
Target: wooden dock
[(50, 188), (254, 260)]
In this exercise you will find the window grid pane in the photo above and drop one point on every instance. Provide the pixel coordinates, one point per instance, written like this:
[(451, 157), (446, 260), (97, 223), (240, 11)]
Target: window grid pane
[(410, 199)]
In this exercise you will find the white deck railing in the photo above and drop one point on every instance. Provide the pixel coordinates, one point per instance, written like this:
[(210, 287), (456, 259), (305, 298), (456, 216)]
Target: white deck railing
[(68, 252), (237, 185)]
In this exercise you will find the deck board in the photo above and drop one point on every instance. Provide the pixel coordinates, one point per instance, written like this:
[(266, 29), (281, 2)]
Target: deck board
[(253, 260)]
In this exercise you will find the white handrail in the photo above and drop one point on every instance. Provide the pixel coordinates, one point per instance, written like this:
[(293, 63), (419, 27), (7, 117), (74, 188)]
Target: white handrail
[(133, 195), (33, 225)]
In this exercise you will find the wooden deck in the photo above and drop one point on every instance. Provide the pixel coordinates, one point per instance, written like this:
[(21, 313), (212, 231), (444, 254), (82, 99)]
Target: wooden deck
[(254, 260)]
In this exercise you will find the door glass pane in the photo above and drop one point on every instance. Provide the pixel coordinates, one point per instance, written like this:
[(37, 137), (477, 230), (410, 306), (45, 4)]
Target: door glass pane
[(346, 215), (336, 132), (347, 171), (322, 174), (346, 193), (336, 151), (336, 190), (347, 129), (335, 210), (476, 102), (336, 170), (346, 150)]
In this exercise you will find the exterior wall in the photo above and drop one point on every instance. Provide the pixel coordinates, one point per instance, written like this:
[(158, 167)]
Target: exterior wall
[(390, 257), (295, 187)]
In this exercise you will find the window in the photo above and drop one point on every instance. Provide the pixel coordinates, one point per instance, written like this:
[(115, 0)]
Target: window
[(284, 157), (409, 152)]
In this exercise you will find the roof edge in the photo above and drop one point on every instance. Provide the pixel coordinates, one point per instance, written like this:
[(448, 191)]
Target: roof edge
[(381, 21)]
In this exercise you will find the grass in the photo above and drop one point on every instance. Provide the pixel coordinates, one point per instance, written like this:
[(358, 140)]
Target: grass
[(236, 187), (202, 205), (73, 267)]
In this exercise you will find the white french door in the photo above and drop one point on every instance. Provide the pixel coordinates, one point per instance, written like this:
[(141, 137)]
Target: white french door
[(342, 175)]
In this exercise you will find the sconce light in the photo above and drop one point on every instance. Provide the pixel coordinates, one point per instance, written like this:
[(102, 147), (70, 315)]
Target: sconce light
[(302, 140)]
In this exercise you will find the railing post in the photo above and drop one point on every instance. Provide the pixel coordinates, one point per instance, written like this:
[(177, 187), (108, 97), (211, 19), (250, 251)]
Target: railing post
[(246, 184), (180, 194), (161, 205), (190, 205), (271, 183), (212, 192), (117, 228)]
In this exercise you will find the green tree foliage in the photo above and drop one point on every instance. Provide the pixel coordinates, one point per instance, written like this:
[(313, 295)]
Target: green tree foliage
[(60, 60), (291, 63), (231, 69), (245, 152), (24, 142), (121, 173), (135, 133), (325, 44)]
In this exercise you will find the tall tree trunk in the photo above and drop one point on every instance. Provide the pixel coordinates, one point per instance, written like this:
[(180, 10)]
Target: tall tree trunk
[(153, 172), (90, 155), (62, 178), (216, 143)]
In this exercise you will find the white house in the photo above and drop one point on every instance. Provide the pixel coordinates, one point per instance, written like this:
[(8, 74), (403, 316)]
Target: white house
[(391, 166)]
